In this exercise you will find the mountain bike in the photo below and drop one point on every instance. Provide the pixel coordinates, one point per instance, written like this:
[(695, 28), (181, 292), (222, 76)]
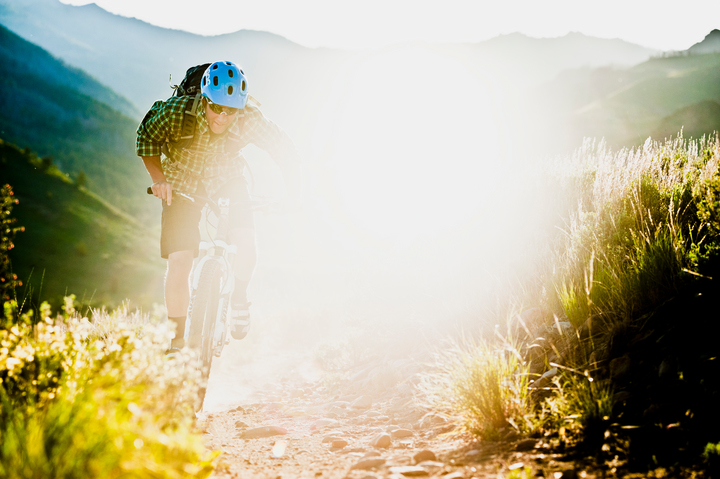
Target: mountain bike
[(211, 284)]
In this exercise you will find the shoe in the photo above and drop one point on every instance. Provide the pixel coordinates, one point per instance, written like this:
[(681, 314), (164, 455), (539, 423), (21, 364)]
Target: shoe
[(172, 353), (239, 320), (176, 344)]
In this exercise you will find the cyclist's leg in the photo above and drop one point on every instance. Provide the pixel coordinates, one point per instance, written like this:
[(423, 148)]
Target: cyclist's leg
[(243, 267), (177, 293), (245, 261), (179, 240)]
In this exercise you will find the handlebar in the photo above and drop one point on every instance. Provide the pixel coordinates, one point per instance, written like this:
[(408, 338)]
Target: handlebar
[(191, 197), (254, 205)]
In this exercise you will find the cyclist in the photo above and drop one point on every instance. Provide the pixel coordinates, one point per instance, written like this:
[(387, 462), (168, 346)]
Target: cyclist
[(210, 165)]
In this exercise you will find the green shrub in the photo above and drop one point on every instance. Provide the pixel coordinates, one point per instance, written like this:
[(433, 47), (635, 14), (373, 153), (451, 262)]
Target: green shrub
[(485, 387), (87, 399), (708, 209)]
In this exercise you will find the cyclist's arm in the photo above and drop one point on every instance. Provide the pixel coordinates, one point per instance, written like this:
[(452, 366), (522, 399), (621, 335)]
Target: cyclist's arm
[(267, 135), (160, 187), (161, 122)]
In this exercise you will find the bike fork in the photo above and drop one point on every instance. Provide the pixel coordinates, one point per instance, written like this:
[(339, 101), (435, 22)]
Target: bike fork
[(221, 327)]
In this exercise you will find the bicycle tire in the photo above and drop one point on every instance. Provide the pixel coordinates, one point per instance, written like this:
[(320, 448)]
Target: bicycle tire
[(203, 311)]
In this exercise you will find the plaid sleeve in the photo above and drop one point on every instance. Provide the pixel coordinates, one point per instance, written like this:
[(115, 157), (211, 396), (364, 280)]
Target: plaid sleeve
[(270, 137), (162, 121)]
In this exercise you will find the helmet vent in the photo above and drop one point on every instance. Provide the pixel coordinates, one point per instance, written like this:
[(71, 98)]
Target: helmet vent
[(215, 67), (230, 73), (230, 90), (215, 80), (243, 85)]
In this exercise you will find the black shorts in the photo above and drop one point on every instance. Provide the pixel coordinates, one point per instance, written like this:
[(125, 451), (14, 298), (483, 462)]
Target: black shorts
[(180, 221)]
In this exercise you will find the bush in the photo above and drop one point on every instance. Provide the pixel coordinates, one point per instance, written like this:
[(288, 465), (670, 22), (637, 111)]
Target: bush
[(484, 387), (636, 238), (95, 399)]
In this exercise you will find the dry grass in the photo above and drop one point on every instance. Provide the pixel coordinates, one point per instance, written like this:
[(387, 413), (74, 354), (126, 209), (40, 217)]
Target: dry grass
[(632, 228), (483, 386)]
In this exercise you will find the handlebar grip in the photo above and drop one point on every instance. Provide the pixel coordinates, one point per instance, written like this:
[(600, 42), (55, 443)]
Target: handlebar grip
[(149, 190)]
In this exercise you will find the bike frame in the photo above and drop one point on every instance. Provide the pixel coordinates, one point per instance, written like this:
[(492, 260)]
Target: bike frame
[(220, 250)]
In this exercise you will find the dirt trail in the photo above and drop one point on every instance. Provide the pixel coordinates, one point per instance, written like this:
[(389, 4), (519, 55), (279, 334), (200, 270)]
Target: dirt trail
[(282, 422)]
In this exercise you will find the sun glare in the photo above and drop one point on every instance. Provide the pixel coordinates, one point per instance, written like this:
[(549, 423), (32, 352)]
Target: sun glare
[(414, 144)]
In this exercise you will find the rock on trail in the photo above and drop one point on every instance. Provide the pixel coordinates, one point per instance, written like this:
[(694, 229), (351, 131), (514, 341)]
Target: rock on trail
[(259, 432)]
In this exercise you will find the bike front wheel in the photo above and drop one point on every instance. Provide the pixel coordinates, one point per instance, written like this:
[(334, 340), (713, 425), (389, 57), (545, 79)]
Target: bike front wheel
[(204, 301)]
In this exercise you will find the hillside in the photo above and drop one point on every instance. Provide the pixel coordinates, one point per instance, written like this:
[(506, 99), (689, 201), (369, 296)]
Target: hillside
[(695, 121), (56, 71), (46, 108), (75, 242), (625, 106)]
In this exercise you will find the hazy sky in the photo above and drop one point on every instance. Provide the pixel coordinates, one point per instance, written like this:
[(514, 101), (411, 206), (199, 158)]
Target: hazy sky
[(662, 24)]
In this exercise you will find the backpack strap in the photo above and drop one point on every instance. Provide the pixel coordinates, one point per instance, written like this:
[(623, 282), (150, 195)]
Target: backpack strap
[(189, 121), (187, 130)]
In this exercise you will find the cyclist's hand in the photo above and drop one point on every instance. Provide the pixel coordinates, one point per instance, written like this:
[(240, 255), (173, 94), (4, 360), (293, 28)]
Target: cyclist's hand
[(163, 190)]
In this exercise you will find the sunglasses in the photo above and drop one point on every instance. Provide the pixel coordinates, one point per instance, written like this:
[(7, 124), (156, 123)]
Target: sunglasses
[(219, 109)]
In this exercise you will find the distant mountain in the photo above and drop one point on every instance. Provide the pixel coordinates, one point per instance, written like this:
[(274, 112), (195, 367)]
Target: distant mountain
[(136, 59), (711, 44), (44, 106), (75, 242), (625, 106), (521, 61), (552, 90)]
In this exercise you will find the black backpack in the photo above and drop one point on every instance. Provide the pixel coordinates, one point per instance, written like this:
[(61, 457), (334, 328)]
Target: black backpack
[(189, 87)]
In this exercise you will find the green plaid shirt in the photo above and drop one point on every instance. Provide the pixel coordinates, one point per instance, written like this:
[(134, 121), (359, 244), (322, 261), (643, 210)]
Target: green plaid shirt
[(205, 160)]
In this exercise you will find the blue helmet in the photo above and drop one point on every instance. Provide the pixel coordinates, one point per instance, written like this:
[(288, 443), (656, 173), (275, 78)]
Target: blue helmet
[(225, 84)]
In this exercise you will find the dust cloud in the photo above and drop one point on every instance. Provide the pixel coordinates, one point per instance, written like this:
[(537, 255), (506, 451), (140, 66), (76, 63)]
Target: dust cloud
[(415, 217)]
